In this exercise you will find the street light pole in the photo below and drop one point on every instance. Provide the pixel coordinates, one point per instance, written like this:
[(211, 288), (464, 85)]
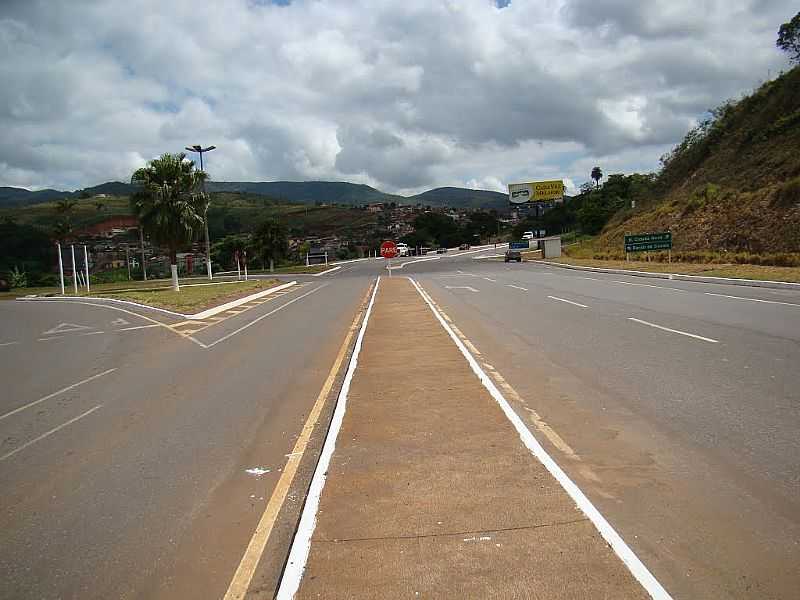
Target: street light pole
[(199, 149)]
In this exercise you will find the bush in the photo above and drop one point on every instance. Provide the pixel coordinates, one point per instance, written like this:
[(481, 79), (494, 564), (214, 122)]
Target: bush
[(788, 193)]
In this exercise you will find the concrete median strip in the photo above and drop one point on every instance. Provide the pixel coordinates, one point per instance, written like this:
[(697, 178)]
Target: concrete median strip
[(427, 487)]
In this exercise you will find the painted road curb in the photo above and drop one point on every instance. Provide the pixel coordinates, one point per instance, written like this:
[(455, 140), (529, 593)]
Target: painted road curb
[(197, 316), (780, 285)]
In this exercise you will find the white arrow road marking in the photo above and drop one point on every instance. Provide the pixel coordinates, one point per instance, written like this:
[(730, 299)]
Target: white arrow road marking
[(120, 322), (460, 287), (65, 328)]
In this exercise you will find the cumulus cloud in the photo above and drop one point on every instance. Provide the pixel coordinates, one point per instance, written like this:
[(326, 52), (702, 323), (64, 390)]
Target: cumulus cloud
[(402, 96)]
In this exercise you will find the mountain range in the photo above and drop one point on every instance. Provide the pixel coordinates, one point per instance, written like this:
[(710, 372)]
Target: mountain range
[(307, 192)]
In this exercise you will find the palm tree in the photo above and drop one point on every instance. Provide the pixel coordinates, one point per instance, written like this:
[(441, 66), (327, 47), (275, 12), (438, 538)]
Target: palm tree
[(169, 203), (597, 175), (270, 241)]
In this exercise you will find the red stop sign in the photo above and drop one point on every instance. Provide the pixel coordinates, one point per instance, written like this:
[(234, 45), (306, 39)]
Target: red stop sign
[(388, 249)]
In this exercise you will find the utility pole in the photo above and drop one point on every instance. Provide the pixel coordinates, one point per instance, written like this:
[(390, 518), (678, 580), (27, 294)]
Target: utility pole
[(199, 149), (60, 268), (128, 260)]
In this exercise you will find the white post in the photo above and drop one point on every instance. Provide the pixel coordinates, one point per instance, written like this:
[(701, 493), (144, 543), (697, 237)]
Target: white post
[(238, 269), (245, 266), (74, 271), (326, 258), (389, 266), (174, 271), (60, 268), (86, 265), (128, 260), (307, 263)]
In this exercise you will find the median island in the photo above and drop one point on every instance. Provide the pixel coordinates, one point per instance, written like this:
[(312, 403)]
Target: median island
[(192, 297)]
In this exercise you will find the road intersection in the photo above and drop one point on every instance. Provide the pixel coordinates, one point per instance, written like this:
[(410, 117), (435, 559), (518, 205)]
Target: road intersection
[(126, 436)]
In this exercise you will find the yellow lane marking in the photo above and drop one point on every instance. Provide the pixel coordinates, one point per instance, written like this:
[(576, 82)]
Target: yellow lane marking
[(244, 573)]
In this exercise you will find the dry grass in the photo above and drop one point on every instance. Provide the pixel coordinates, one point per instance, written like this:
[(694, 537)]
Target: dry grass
[(790, 274)]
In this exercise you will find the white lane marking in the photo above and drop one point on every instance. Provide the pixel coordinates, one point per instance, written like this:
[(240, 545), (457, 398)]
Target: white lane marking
[(590, 278), (660, 287), (686, 333), (752, 299), (92, 333), (134, 328), (47, 339), (49, 433), (301, 544), (326, 272), (568, 301), (516, 287), (254, 321), (8, 343), (65, 328), (130, 312), (119, 322), (490, 279), (635, 566), (461, 287), (237, 589), (54, 394)]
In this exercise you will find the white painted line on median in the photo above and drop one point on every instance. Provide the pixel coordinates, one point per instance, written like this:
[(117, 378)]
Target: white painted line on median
[(49, 433), (568, 301), (752, 299), (139, 327), (240, 583), (490, 279), (686, 333), (92, 333), (8, 343), (326, 272), (635, 566), (516, 287), (254, 321), (298, 555), (461, 287), (238, 302), (54, 394)]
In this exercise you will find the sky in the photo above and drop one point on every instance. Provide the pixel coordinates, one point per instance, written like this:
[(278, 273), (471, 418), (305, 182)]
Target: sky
[(404, 96)]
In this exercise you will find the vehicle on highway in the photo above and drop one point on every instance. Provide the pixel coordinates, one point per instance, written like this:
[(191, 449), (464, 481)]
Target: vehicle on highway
[(402, 249), (528, 235), (512, 254), (441, 250), (464, 247)]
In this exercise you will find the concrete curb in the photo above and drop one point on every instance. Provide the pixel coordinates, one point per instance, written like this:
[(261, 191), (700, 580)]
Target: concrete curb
[(780, 285), (201, 315)]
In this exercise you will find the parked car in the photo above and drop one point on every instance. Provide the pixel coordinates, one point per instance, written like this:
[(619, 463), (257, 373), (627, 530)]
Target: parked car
[(528, 235), (464, 247), (441, 250), (513, 255)]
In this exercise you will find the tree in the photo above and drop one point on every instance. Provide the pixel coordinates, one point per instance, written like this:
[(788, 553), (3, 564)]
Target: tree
[(789, 38), (169, 203), (597, 175), (270, 241)]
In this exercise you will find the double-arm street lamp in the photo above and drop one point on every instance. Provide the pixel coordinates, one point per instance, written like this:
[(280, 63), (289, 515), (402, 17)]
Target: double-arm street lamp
[(199, 149)]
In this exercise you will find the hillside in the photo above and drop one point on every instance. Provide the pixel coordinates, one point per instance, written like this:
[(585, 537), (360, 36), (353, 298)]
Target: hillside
[(460, 198), (307, 192), (732, 185)]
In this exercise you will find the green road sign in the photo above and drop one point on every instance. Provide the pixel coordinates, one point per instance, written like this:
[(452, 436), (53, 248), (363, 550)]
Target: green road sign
[(642, 242)]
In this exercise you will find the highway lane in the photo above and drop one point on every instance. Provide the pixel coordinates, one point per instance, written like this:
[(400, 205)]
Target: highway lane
[(688, 444), (134, 484)]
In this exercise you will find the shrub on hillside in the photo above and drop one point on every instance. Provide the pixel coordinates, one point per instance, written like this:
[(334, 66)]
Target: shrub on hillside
[(788, 193)]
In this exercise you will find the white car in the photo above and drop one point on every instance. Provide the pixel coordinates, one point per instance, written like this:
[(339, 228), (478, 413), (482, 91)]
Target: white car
[(402, 249), (528, 235)]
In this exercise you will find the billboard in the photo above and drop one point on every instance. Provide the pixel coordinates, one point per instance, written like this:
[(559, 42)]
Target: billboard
[(536, 191)]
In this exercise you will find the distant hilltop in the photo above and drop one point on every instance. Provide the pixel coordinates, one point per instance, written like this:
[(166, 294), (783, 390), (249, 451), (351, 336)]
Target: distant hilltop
[(307, 192)]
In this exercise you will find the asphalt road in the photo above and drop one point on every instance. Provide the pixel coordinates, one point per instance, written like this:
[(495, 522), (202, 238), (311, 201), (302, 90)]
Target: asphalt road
[(674, 406)]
